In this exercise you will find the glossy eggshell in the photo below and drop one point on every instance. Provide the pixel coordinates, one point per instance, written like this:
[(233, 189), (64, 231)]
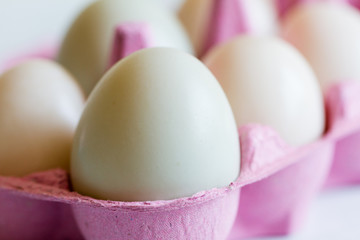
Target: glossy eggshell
[(86, 49), (40, 105), (267, 81), (328, 35), (157, 127)]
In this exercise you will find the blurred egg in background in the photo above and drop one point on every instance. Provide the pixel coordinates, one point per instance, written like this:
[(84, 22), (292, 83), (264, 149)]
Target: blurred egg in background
[(328, 35), (268, 81), (40, 105), (87, 46)]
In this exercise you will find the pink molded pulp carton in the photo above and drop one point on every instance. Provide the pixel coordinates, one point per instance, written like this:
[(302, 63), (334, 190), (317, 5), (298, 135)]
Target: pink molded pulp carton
[(271, 196)]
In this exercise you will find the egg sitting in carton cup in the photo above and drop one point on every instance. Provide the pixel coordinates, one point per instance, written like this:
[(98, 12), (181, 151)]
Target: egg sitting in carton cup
[(156, 153), (329, 43)]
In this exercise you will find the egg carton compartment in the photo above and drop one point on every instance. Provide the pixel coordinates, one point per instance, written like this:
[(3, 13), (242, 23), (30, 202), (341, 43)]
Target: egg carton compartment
[(26, 216), (271, 196), (284, 6), (270, 170), (230, 18), (276, 180), (343, 115), (343, 119)]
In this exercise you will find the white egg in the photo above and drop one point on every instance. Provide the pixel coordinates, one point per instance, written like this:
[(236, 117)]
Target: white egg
[(40, 105), (259, 16), (86, 49), (267, 81), (328, 35), (158, 126)]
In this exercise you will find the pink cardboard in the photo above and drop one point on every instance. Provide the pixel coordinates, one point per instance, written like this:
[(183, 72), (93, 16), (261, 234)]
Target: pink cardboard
[(46, 52), (228, 19), (267, 163), (279, 203), (206, 215), (355, 3), (285, 6), (344, 114), (210, 218), (277, 184), (289, 180), (130, 37), (23, 217)]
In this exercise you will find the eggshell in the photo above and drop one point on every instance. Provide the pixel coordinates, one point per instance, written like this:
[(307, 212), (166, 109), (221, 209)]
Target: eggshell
[(46, 51), (210, 22), (86, 49), (327, 35), (157, 127), (267, 81), (40, 105), (267, 163)]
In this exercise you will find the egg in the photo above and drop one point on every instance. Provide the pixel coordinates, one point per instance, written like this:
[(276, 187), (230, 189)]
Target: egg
[(328, 35), (40, 105), (86, 49), (198, 16), (158, 126), (267, 81)]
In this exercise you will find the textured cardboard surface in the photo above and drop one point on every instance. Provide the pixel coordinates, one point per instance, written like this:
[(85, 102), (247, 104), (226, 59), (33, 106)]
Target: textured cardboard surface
[(275, 179), (344, 120), (277, 184)]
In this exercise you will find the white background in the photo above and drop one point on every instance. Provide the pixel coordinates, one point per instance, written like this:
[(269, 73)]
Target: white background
[(335, 215)]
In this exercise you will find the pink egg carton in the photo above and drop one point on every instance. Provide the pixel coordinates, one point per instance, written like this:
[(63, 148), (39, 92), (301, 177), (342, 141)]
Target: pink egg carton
[(344, 123), (284, 6), (276, 180), (272, 195), (47, 51)]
